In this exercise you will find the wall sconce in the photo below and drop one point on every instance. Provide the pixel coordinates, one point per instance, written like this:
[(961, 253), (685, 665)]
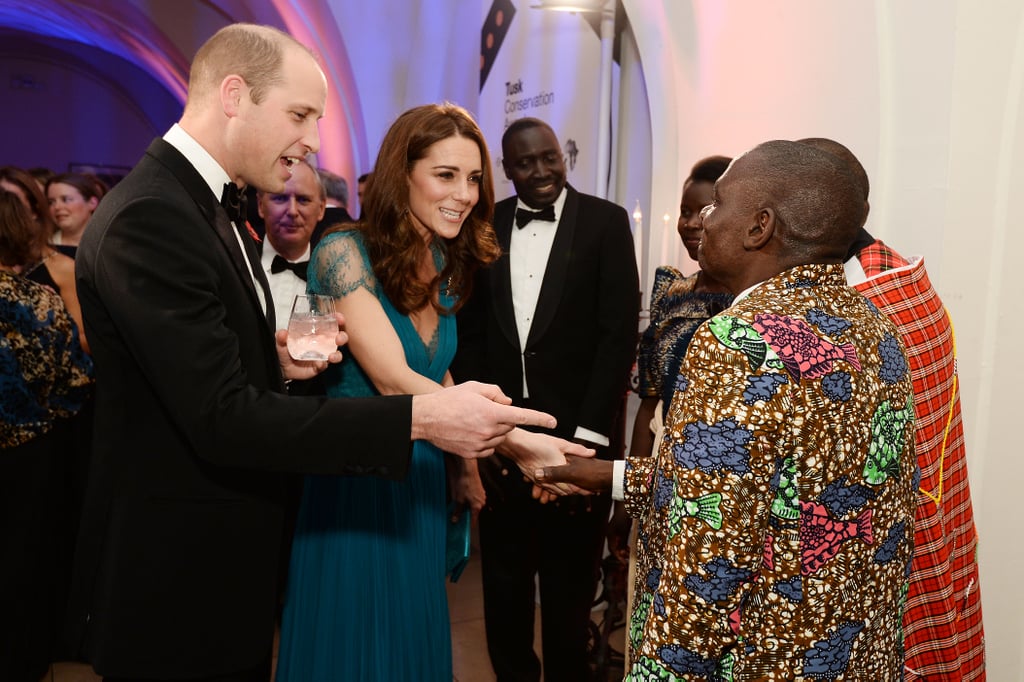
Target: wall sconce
[(570, 6)]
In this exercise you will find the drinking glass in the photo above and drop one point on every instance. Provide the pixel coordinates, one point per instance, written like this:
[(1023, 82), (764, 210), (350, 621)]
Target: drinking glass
[(312, 328)]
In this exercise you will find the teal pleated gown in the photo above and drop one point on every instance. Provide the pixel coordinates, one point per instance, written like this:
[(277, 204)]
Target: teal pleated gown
[(366, 598)]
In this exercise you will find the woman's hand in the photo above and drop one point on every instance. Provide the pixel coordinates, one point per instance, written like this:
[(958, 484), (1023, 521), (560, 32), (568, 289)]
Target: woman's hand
[(466, 487)]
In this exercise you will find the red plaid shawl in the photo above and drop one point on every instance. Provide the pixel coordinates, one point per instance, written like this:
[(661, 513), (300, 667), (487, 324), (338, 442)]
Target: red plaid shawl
[(942, 624)]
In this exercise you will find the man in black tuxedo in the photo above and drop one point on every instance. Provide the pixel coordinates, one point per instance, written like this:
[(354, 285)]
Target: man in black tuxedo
[(290, 216), (554, 323), (361, 183), (336, 209), (177, 559)]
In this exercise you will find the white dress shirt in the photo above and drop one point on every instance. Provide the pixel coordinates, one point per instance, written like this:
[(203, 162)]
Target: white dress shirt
[(529, 250), (284, 285)]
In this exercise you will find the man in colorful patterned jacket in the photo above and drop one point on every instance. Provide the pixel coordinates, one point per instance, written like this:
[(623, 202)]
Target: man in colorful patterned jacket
[(776, 521), (942, 625)]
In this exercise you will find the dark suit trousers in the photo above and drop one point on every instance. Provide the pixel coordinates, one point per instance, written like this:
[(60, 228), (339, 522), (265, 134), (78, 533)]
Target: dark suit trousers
[(561, 542), (260, 673)]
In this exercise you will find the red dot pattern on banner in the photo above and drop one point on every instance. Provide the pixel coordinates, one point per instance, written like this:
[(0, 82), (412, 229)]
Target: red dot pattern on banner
[(499, 18)]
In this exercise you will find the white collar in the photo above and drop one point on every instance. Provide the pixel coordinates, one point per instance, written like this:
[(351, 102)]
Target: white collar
[(211, 171), (746, 292), (558, 205), (269, 252)]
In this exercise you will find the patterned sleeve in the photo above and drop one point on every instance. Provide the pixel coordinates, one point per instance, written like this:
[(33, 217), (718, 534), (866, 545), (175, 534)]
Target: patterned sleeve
[(46, 375), (648, 367), (74, 367), (709, 496), (339, 265)]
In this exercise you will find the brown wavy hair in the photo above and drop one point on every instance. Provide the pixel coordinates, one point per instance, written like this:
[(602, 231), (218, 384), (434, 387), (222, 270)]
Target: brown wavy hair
[(36, 200), (17, 236), (393, 245)]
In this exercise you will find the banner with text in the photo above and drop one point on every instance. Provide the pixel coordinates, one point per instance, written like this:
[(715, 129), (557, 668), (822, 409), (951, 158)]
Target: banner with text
[(546, 65)]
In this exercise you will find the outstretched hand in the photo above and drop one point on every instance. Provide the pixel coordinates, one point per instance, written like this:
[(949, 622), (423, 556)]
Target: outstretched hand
[(307, 369), (589, 474), (532, 451), (470, 419)]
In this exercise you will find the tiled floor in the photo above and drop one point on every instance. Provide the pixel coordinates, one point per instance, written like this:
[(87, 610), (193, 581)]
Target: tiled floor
[(469, 647)]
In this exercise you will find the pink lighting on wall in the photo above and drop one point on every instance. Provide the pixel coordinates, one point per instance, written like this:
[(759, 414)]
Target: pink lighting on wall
[(312, 24)]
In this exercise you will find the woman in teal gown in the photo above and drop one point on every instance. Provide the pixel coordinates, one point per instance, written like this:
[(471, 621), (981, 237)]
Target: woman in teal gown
[(365, 597)]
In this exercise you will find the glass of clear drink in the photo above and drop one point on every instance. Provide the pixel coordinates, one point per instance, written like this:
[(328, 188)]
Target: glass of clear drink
[(312, 328)]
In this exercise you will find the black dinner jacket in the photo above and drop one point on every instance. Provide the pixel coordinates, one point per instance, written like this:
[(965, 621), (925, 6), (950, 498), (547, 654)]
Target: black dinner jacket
[(177, 559), (333, 215), (583, 336)]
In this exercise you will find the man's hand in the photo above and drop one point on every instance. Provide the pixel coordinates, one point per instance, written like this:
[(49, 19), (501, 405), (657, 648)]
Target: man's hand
[(532, 451), (470, 419), (307, 369), (589, 474)]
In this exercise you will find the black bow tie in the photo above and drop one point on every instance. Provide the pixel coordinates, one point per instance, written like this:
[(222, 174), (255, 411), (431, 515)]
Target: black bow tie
[(279, 264), (523, 216), (233, 200)]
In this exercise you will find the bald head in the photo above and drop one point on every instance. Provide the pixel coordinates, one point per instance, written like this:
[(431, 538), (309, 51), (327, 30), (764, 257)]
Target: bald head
[(853, 164), (817, 201), (779, 205), (254, 52)]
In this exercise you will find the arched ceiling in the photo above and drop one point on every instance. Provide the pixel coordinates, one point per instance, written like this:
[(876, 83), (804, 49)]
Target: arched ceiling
[(160, 37)]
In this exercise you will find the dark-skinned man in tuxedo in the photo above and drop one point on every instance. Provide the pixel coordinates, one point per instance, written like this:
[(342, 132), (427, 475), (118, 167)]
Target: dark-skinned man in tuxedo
[(554, 323)]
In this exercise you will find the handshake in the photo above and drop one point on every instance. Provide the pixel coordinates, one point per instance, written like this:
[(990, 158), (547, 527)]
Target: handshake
[(555, 465), (475, 420)]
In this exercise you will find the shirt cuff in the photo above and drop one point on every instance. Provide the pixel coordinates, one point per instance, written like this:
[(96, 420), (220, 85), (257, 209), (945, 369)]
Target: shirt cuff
[(591, 436), (619, 480)]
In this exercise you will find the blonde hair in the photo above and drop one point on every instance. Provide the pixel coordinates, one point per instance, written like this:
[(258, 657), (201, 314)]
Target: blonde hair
[(251, 51)]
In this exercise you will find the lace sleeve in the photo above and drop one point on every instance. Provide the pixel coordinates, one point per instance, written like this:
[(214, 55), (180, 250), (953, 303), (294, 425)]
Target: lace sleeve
[(339, 265)]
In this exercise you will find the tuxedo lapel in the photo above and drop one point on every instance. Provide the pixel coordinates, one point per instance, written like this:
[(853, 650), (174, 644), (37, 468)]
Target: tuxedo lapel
[(214, 213), (557, 267), (501, 276), (253, 254)]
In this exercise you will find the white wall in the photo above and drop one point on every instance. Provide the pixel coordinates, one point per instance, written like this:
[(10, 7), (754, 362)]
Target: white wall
[(980, 238), (928, 93), (404, 54)]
